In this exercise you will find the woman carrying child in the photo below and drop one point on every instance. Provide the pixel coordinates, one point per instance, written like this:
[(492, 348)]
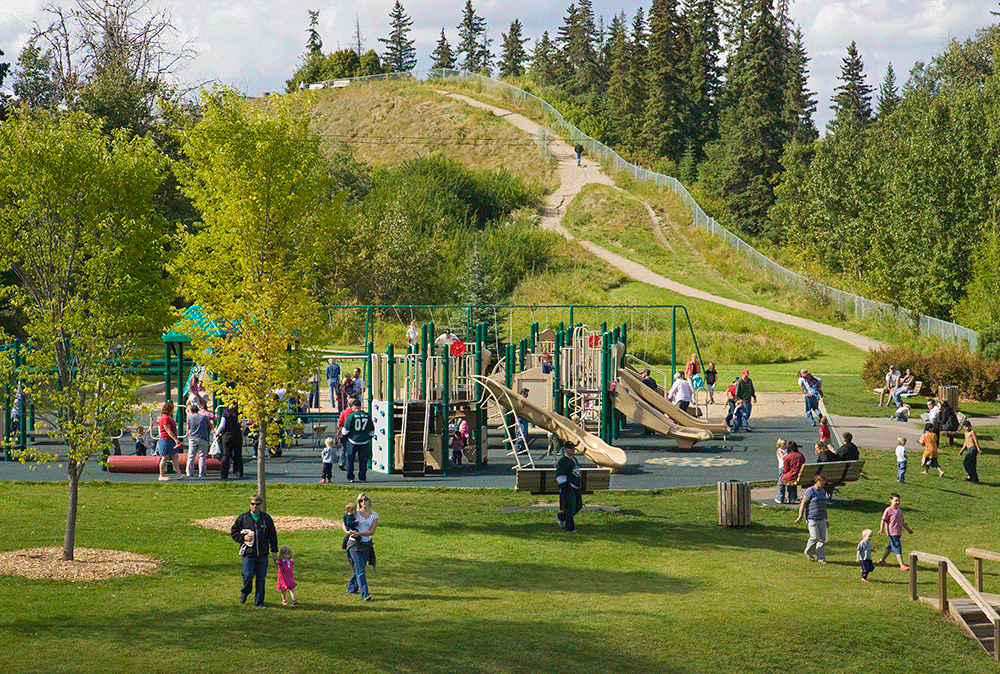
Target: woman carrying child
[(359, 546)]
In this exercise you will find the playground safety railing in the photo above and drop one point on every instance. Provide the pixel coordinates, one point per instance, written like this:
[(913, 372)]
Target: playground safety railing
[(847, 303)]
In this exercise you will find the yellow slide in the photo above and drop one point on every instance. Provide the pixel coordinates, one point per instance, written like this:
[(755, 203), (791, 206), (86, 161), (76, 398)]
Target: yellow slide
[(658, 399), (592, 447), (635, 408)]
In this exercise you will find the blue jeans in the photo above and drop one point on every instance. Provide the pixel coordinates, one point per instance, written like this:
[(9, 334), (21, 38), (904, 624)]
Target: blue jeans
[(572, 501), (817, 537), (358, 583), (747, 409), (901, 471), (812, 405), (522, 438), (254, 567), (896, 395), (364, 454), (334, 385), (789, 490)]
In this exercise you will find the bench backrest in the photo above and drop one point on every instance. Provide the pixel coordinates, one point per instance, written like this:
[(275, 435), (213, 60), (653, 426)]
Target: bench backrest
[(543, 480), (836, 472)]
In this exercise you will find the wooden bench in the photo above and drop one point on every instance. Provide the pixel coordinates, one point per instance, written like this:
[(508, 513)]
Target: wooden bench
[(543, 480), (836, 472), (917, 388), (951, 434)]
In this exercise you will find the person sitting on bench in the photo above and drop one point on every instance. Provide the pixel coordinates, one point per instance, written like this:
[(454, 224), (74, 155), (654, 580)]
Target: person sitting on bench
[(905, 387)]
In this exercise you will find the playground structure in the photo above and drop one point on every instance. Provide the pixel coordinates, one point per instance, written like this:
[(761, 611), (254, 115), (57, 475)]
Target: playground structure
[(582, 395)]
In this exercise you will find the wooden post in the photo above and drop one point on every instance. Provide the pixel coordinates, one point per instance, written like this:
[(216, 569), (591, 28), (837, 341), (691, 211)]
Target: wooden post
[(979, 573), (942, 586), (996, 640), (913, 577)]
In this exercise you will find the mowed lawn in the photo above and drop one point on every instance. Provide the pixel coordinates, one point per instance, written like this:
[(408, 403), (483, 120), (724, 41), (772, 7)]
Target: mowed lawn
[(464, 587)]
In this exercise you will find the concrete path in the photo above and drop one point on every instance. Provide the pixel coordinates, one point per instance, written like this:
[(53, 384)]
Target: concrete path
[(572, 178)]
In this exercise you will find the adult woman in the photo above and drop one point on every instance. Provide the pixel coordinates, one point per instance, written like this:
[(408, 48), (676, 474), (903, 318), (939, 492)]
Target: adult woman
[(791, 466), (230, 436), (972, 452), (166, 446), (359, 546), (711, 375)]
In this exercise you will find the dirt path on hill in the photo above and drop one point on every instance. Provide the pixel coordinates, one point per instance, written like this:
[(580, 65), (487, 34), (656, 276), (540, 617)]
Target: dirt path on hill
[(572, 178)]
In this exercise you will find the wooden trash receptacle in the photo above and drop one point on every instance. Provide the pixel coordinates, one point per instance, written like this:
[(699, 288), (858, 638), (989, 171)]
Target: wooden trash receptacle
[(949, 393), (734, 503)]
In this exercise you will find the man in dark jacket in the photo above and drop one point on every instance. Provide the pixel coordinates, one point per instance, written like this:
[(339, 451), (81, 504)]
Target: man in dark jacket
[(745, 393), (848, 451), (254, 531)]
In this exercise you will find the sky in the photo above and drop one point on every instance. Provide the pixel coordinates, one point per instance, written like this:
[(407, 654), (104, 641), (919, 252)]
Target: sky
[(255, 45)]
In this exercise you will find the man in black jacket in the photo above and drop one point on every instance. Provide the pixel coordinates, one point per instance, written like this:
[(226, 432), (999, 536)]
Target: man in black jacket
[(848, 451), (254, 531)]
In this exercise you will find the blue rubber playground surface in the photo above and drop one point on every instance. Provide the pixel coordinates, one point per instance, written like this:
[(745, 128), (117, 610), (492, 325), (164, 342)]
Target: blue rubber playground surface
[(654, 462)]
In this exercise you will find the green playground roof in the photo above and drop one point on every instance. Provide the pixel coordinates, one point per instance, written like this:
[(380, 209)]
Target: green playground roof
[(193, 314)]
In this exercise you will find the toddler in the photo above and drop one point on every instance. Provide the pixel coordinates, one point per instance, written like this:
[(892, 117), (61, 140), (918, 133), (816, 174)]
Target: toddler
[(327, 456), (286, 575), (457, 445), (930, 442), (902, 413), (350, 521), (893, 523), (824, 429), (901, 459), (142, 440), (865, 554)]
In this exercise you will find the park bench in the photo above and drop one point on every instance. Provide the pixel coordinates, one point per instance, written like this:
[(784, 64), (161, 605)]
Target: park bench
[(836, 472), (543, 480), (951, 434), (917, 388)]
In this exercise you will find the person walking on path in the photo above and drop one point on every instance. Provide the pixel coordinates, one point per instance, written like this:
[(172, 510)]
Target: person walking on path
[(254, 531), (972, 452), (359, 430), (811, 399), (199, 440), (745, 396), (230, 435), (359, 546), (569, 481), (893, 523), (813, 506), (579, 153), (166, 447), (333, 381)]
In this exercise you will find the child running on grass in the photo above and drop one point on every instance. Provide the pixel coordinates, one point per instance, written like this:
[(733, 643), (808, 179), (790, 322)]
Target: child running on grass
[(901, 459), (929, 440), (893, 523), (865, 554), (286, 575)]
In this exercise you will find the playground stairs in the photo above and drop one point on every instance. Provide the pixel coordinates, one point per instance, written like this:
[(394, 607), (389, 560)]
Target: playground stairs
[(414, 464), (972, 620)]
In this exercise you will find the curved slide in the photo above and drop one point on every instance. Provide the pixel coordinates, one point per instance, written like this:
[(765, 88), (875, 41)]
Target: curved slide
[(658, 399), (592, 447), (635, 408)]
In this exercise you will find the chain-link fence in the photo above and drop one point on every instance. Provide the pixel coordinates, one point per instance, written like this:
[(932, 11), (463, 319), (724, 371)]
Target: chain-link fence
[(847, 303)]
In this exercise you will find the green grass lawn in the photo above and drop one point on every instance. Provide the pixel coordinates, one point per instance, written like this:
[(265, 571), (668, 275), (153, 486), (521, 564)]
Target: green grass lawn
[(461, 586)]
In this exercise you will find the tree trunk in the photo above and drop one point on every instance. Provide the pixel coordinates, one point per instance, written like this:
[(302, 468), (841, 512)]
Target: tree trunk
[(261, 460), (69, 540)]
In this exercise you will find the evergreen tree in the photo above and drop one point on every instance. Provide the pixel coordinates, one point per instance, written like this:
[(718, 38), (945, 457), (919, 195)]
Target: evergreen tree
[(752, 134), (800, 103), (663, 125), (617, 92), (33, 84), (544, 64), (4, 68), (704, 75), (442, 54), (853, 101), (314, 45), (469, 35), (484, 56), (370, 64), (578, 50), (400, 55), (888, 94), (513, 57), (479, 287)]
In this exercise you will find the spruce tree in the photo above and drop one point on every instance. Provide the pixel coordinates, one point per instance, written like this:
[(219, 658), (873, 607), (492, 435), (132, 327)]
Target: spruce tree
[(704, 77), (800, 103), (663, 124), (617, 91), (544, 64), (479, 290), (578, 53), (442, 54), (314, 45), (513, 57), (484, 56), (400, 55), (888, 94), (853, 101), (469, 36)]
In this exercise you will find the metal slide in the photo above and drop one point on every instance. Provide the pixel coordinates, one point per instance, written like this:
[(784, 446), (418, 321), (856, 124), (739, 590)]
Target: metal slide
[(658, 399), (593, 448), (635, 408)]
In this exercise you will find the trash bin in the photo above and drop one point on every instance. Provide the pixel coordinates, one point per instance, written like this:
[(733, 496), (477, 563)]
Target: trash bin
[(734, 503), (949, 393)]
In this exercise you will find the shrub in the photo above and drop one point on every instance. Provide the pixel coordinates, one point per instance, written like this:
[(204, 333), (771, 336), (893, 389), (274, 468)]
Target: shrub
[(976, 376), (989, 342)]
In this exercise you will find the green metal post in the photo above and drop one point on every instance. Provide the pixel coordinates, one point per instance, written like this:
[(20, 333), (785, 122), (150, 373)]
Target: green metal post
[(605, 398), (369, 350), (445, 433), (556, 398), (424, 330), (480, 340), (166, 371), (522, 354), (673, 343), (180, 412)]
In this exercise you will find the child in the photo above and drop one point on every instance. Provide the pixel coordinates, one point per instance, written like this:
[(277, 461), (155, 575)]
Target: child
[(901, 459), (780, 451), (893, 523), (865, 554), (457, 445), (902, 413), (327, 456), (286, 572), (142, 440), (350, 521), (824, 429), (972, 452), (930, 457)]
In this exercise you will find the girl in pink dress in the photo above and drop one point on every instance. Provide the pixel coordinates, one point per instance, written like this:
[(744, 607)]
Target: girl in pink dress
[(286, 575)]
